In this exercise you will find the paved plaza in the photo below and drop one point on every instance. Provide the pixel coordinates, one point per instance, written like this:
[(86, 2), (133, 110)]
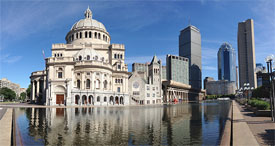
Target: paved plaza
[(262, 128)]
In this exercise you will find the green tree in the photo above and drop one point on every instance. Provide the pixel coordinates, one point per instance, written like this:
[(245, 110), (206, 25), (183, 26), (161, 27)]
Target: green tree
[(23, 96), (28, 91), (7, 93), (261, 92)]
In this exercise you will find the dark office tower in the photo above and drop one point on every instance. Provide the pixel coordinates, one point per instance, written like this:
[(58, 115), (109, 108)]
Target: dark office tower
[(246, 53), (190, 47), (226, 63)]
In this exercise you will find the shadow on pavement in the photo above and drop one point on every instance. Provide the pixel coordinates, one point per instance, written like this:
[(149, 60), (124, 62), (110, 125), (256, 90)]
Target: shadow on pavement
[(268, 136)]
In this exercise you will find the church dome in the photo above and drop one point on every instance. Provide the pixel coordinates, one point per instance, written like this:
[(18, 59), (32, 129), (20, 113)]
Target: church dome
[(88, 22), (88, 31)]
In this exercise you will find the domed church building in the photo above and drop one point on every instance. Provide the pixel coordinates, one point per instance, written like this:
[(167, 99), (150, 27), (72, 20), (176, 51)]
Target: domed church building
[(87, 70)]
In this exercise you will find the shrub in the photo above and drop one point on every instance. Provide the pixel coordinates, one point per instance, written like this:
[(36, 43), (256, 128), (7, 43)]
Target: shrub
[(211, 97), (259, 104)]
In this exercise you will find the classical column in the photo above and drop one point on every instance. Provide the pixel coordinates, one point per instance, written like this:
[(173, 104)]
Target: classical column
[(82, 81), (93, 81), (101, 81), (44, 90), (38, 87), (124, 84), (33, 91)]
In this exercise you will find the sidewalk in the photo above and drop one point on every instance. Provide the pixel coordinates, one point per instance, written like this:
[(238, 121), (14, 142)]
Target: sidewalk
[(262, 128), (5, 128)]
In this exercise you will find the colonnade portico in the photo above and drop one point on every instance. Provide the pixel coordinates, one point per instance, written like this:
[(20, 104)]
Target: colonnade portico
[(38, 79), (176, 93), (97, 99)]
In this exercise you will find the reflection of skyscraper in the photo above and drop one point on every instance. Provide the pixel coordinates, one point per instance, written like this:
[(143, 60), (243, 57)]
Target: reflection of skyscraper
[(246, 53), (190, 47), (226, 63)]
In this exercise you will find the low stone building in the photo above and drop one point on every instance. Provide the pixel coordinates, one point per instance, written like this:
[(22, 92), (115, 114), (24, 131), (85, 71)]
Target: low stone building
[(4, 82), (177, 87), (221, 87), (141, 91)]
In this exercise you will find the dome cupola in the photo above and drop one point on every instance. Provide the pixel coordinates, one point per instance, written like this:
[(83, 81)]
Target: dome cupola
[(88, 31)]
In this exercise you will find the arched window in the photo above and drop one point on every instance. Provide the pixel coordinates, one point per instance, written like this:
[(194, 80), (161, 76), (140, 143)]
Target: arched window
[(79, 58), (88, 83), (105, 84), (86, 34), (88, 57), (115, 56), (102, 59), (121, 80), (120, 56), (61, 55), (115, 80), (98, 99), (96, 35), (80, 34), (77, 35), (96, 57), (54, 55), (97, 84), (105, 99), (99, 36), (90, 34), (72, 37), (58, 55), (59, 73), (78, 84)]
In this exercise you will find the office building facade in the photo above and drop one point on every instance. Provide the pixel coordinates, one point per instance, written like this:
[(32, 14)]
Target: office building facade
[(190, 47), (226, 63), (246, 53)]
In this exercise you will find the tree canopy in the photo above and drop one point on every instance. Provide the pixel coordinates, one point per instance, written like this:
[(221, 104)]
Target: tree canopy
[(28, 91), (7, 93), (261, 92), (23, 95)]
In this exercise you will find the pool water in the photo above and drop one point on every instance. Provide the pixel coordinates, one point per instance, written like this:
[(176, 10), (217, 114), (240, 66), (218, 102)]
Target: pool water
[(181, 124)]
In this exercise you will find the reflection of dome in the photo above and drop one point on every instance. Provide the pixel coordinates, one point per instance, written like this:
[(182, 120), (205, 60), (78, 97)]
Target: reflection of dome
[(88, 54)]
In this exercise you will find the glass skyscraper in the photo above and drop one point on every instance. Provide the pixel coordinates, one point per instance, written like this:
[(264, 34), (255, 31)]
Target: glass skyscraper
[(226, 63)]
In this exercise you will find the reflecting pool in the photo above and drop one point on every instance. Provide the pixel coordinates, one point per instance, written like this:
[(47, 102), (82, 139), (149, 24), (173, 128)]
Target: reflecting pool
[(181, 124)]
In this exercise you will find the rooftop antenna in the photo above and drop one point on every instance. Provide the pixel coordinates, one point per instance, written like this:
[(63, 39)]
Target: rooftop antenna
[(189, 21)]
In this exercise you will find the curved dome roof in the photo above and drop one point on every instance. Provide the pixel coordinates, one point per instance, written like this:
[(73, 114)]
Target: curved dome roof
[(93, 55), (226, 46), (88, 22)]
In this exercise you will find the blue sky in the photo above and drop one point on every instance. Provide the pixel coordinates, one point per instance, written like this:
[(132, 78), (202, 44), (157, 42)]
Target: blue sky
[(146, 28)]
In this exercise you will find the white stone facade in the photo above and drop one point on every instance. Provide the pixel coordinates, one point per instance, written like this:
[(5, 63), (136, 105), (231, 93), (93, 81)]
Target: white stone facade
[(4, 82), (87, 70), (145, 87)]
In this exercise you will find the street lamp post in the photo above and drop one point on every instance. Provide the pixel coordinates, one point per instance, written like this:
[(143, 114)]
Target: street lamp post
[(247, 88), (269, 60)]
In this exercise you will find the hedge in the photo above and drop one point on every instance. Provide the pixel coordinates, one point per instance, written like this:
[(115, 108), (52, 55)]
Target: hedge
[(259, 104)]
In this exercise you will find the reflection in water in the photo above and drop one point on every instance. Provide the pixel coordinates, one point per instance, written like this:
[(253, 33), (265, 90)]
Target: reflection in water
[(188, 124)]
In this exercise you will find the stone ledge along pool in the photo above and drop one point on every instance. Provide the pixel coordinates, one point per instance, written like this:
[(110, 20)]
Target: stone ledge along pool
[(181, 124)]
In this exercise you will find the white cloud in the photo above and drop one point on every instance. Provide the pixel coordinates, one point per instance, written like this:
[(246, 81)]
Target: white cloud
[(10, 59), (20, 20), (209, 68)]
